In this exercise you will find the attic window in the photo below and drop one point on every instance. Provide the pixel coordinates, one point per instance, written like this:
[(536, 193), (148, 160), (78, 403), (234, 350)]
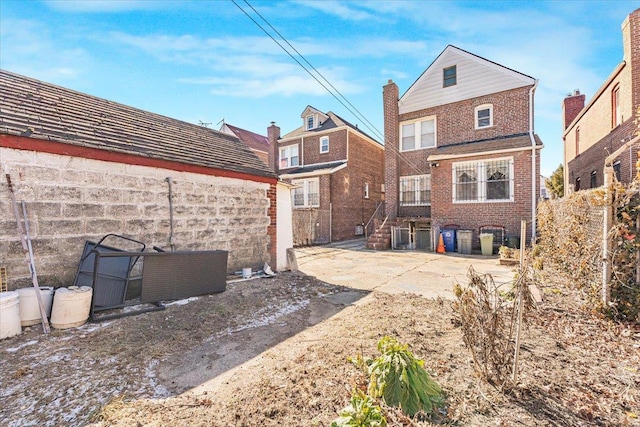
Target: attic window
[(449, 76), (309, 122)]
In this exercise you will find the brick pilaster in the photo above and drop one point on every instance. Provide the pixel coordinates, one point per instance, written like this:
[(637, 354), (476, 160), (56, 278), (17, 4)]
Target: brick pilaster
[(390, 96)]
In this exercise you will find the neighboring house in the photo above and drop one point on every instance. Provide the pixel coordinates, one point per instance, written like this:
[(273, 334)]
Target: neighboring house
[(460, 151), (87, 167), (544, 192), (259, 144), (337, 171), (594, 131)]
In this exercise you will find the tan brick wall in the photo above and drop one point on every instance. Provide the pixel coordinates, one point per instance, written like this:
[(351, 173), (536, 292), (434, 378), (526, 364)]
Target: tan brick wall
[(70, 200)]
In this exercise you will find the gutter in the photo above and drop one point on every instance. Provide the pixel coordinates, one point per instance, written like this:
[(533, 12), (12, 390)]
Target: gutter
[(434, 157), (534, 176)]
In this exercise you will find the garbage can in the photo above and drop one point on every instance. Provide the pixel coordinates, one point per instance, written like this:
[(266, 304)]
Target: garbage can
[(449, 237), (464, 241), (486, 244), (513, 242)]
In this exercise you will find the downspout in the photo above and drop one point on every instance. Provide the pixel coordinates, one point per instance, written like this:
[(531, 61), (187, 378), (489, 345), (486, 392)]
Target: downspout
[(534, 176), (170, 182)]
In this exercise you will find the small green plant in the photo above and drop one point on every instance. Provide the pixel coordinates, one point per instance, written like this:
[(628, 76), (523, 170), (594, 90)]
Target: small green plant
[(361, 412), (400, 379)]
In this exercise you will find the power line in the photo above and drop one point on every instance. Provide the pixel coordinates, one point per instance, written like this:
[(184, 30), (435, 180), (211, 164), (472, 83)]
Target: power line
[(350, 107)]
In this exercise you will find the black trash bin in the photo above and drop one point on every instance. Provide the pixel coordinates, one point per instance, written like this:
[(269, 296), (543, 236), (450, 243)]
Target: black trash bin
[(513, 242)]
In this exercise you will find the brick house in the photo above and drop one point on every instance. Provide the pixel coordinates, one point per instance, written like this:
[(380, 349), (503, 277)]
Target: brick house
[(87, 167), (337, 171), (460, 151), (259, 144), (606, 123)]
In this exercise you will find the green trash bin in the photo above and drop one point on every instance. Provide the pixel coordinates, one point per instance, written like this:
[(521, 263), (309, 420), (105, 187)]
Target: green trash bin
[(486, 244)]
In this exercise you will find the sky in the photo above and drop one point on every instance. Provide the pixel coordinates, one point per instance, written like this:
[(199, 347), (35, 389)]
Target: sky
[(206, 61)]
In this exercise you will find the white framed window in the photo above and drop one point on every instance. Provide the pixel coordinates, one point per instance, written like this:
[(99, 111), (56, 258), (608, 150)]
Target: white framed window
[(306, 193), (419, 134), (483, 181), (324, 144), (366, 190), (483, 116), (415, 190), (289, 156), (309, 122), (449, 76)]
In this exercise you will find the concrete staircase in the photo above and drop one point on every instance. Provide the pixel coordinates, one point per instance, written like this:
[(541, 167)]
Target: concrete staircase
[(380, 239)]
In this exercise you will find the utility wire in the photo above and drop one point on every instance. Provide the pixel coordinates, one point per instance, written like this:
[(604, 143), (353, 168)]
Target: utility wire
[(355, 110), (349, 107)]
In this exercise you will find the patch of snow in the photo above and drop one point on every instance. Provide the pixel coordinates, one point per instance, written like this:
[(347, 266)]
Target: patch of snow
[(14, 349), (183, 301)]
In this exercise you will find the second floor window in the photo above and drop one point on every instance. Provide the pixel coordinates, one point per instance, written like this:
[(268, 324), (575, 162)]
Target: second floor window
[(594, 179), (417, 135), (289, 156), (484, 116), (616, 114), (324, 144), (306, 193), (415, 190)]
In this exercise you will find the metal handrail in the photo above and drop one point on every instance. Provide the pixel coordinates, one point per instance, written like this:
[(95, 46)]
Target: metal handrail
[(366, 227)]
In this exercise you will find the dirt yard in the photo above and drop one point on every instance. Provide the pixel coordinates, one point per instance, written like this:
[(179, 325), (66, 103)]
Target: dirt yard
[(273, 352)]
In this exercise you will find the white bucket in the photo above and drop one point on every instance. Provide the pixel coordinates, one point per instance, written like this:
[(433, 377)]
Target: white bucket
[(71, 307), (29, 309), (246, 273), (9, 314)]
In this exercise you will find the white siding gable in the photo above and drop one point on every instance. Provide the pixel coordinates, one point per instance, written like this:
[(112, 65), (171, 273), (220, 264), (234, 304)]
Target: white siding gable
[(476, 76)]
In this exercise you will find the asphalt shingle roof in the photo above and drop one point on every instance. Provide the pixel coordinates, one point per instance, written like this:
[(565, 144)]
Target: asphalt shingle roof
[(35, 109)]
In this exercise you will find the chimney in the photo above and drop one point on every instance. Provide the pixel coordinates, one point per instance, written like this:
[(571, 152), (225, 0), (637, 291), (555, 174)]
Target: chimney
[(631, 49), (390, 97), (273, 134), (571, 106)]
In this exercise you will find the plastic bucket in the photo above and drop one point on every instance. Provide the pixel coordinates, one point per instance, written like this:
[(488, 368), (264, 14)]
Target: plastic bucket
[(246, 273), (9, 314), (29, 309), (71, 307)]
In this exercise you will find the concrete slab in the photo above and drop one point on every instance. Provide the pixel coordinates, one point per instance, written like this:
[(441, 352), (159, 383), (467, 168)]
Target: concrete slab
[(429, 274)]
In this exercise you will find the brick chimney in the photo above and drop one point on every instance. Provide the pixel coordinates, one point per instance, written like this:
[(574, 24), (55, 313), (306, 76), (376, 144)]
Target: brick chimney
[(273, 134), (571, 106), (390, 95), (631, 48)]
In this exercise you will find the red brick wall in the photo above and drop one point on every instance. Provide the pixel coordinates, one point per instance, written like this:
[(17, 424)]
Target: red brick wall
[(456, 121), (634, 39), (337, 147), (350, 208), (472, 216)]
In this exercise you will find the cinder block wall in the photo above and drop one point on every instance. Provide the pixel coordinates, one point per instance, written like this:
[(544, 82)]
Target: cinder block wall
[(70, 200)]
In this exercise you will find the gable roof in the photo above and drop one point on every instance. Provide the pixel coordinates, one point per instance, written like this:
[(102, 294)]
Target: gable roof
[(43, 111), (333, 121), (252, 139), (476, 76)]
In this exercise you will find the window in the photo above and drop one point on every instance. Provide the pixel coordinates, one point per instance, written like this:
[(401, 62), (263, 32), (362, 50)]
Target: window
[(366, 190), (490, 180), (309, 122), (289, 156), (484, 116), (306, 194), (594, 176), (417, 135), (577, 141), (415, 190), (324, 144), (616, 169), (616, 115), (577, 186), (449, 76)]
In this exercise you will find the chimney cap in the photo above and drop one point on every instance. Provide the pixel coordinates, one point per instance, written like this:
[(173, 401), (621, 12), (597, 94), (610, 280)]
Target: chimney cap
[(576, 92), (273, 123)]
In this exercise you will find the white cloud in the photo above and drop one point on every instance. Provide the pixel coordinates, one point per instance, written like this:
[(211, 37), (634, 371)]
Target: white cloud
[(342, 10), (102, 6)]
